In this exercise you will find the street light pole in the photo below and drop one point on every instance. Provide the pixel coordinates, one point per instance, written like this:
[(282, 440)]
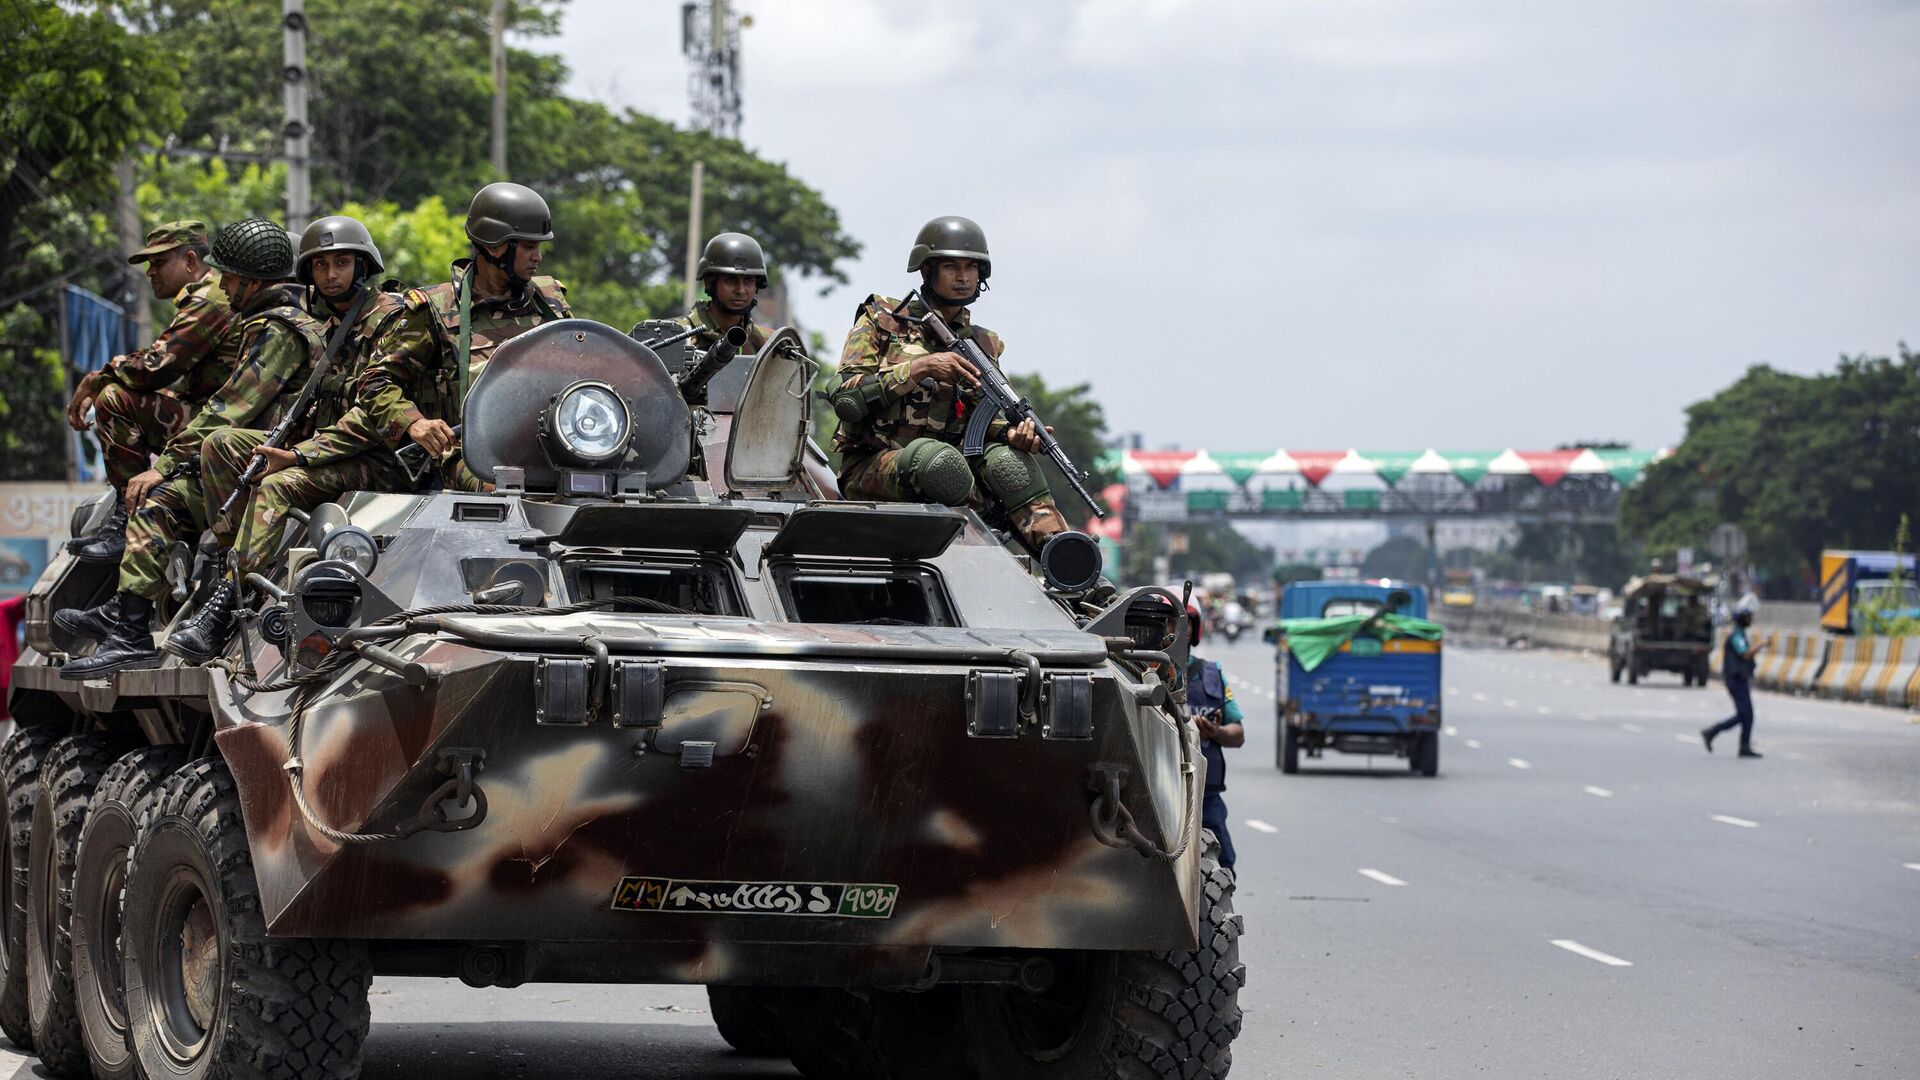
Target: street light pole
[(500, 89), (293, 50)]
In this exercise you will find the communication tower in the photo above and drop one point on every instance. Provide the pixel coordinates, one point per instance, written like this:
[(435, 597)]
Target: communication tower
[(710, 40)]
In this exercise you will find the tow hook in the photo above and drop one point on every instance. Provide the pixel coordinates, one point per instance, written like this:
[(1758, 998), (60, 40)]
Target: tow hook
[(459, 764), (1112, 822)]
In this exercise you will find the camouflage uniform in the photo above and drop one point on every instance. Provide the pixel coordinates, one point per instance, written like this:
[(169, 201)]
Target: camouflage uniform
[(413, 372), (702, 316), (279, 341), (146, 397), (343, 453), (883, 347)]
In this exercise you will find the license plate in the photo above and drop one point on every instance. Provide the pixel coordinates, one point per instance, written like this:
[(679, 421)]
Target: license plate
[(1386, 691), (817, 899), (1364, 646)]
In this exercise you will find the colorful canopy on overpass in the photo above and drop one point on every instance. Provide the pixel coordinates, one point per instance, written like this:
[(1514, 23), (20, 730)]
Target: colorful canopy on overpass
[(1165, 467)]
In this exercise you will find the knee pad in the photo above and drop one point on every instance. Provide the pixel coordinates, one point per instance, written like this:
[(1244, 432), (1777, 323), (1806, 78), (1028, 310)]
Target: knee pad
[(1014, 477), (938, 471)]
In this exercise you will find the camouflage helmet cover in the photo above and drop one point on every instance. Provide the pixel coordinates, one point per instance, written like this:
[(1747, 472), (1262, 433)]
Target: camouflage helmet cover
[(950, 237), (733, 253), (255, 248), (504, 211), (336, 233)]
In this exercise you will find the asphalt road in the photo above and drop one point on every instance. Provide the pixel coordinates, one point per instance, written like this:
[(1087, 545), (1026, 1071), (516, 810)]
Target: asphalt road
[(1583, 892)]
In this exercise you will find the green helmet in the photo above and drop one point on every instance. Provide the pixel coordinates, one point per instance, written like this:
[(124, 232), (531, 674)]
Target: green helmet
[(337, 233), (733, 253), (255, 248), (502, 212), (950, 237)]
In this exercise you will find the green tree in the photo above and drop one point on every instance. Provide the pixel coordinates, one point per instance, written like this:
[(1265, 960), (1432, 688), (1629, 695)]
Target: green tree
[(1400, 557), (1210, 546)]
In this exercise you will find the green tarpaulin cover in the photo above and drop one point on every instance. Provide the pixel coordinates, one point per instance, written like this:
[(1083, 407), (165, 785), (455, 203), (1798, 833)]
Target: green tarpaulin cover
[(1313, 640)]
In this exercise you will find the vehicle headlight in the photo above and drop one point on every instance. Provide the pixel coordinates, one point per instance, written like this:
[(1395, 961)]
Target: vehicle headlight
[(588, 423), (1070, 561), (352, 545)]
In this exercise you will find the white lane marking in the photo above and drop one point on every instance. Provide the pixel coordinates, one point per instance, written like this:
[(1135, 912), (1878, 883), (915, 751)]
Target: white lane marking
[(1545, 710), (1510, 703), (1682, 736), (1454, 690), (1635, 728), (1473, 744), (1588, 716), (1381, 876), (1451, 730), (1478, 696), (1260, 826), (1736, 821), (1599, 792), (1520, 763), (1911, 865), (1578, 949)]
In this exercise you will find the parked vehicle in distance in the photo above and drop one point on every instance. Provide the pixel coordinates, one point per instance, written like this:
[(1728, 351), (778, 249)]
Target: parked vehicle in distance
[(1855, 581), (1377, 692), (1664, 624)]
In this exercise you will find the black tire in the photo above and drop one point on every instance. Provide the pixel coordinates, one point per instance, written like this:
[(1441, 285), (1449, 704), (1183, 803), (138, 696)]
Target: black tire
[(209, 994), (1425, 758), (1686, 677), (1289, 748), (1123, 1016), (924, 1035), (72, 769), (1615, 667), (99, 877), (750, 1018), (1633, 673), (831, 1034), (20, 768)]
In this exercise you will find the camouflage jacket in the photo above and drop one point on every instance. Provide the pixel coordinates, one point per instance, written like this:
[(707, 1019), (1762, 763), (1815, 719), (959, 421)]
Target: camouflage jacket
[(279, 342), (882, 346), (195, 353), (413, 372), (341, 428), (702, 317)]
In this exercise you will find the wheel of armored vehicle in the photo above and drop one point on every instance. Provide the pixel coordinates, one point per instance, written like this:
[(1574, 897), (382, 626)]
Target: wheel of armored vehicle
[(750, 1018), (99, 875), (20, 767), (72, 770), (1167, 1014), (208, 992), (830, 1035)]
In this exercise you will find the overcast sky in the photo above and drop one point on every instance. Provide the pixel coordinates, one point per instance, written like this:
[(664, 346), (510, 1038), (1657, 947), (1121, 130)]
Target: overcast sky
[(1371, 223)]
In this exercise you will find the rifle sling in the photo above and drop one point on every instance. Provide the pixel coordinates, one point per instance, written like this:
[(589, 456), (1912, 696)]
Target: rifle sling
[(312, 387)]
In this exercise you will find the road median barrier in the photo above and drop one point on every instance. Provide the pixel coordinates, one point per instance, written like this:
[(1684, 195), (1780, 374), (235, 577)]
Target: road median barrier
[(1806, 669), (1892, 662), (1779, 660)]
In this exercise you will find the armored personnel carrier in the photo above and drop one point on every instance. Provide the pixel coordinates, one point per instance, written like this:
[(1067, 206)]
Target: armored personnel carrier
[(658, 707)]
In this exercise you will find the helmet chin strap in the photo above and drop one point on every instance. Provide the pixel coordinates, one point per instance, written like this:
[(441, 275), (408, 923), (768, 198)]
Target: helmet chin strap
[(931, 294), (507, 264)]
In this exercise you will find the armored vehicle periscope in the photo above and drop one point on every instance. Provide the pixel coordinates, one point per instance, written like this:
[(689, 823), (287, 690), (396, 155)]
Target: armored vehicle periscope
[(656, 708)]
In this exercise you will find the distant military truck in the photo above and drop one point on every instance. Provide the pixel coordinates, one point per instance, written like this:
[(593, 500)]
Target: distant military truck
[(657, 708), (1665, 624)]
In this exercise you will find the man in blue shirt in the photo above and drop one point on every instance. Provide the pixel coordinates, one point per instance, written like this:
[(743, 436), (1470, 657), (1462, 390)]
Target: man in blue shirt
[(1736, 666), (1217, 715)]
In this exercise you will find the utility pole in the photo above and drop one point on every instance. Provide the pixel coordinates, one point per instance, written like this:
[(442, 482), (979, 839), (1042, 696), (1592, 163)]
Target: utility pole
[(127, 211), (500, 88), (293, 51), (693, 230)]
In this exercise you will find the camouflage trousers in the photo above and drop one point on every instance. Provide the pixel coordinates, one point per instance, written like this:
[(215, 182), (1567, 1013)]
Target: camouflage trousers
[(174, 512), (882, 477), (134, 425), (258, 521)]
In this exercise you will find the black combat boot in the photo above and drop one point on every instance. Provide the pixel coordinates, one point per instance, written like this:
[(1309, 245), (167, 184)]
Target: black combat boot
[(108, 543), (130, 645), (89, 624), (203, 635)]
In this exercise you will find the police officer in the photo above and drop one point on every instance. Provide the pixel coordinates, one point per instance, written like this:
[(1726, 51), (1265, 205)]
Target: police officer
[(142, 399), (279, 342), (340, 266), (424, 361), (903, 406), (1219, 720), (1736, 667)]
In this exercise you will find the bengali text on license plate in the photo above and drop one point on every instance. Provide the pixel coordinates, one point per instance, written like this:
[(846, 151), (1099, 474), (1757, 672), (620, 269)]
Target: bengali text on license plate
[(806, 898)]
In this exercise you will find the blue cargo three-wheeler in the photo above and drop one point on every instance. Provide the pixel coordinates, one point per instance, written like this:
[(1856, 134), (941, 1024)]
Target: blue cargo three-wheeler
[(1358, 670)]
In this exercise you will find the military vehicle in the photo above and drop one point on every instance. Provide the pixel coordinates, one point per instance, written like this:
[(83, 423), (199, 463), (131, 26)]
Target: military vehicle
[(657, 708), (1664, 625)]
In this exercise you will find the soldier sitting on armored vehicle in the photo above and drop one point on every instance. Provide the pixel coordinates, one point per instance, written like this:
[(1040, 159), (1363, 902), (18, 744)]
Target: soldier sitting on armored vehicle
[(143, 399), (426, 359), (338, 262), (732, 270), (279, 342), (903, 403)]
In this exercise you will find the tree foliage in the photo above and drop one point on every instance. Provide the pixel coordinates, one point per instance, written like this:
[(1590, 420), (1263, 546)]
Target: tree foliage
[(1192, 549), (1800, 462)]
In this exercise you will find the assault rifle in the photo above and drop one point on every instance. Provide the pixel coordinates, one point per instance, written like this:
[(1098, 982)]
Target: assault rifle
[(998, 398), (303, 403)]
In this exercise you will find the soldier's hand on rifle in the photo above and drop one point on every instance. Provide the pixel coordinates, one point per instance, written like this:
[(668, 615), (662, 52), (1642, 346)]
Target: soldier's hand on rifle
[(1024, 437), (944, 367), (434, 436), (83, 396), (277, 459), (138, 487)]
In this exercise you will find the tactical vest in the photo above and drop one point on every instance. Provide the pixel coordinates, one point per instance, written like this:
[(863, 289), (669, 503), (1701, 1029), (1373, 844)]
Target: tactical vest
[(443, 300), (1733, 666), (1207, 693), (212, 372), (301, 323), (337, 385)]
